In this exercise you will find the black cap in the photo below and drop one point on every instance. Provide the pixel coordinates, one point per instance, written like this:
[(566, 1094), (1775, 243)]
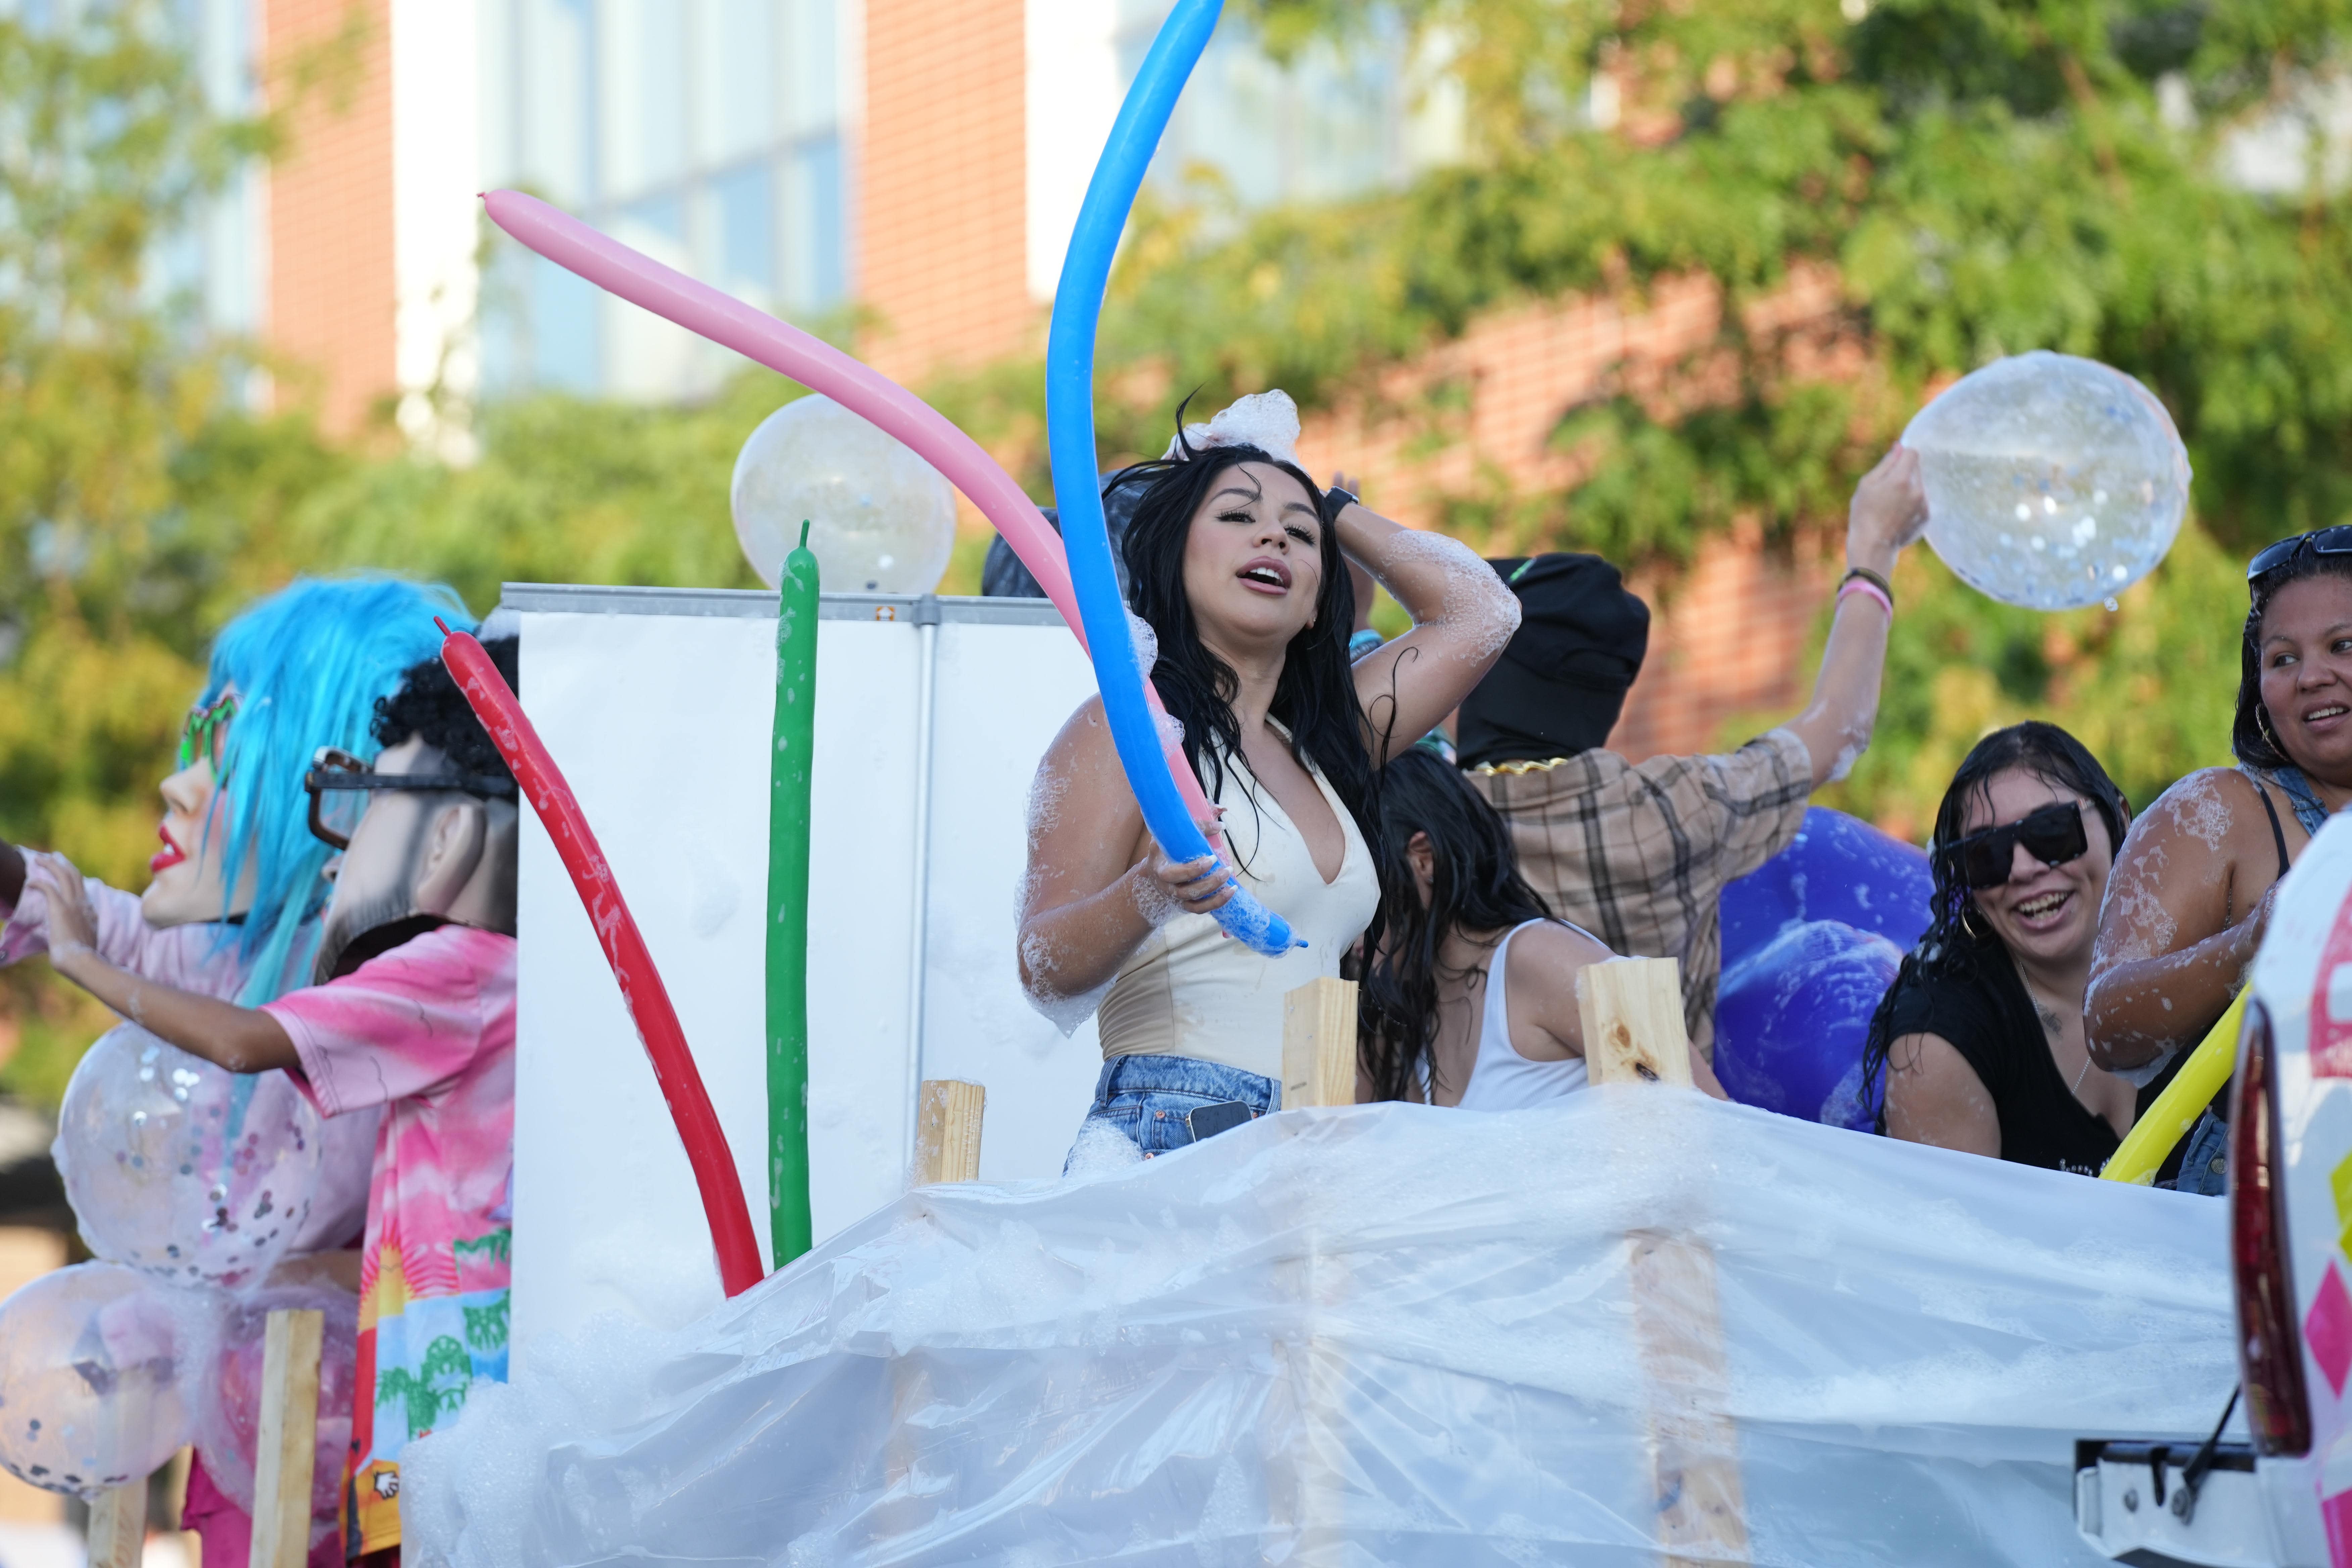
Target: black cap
[(1003, 576), (1562, 682)]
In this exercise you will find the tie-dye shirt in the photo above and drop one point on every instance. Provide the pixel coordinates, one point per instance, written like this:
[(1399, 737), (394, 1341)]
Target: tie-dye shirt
[(427, 1031)]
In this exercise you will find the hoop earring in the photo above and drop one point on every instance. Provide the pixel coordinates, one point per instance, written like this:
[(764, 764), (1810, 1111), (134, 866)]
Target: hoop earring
[(1967, 908), (2262, 728)]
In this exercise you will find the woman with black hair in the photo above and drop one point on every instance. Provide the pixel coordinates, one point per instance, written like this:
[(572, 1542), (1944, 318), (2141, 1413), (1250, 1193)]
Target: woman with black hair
[(1469, 993), (1236, 564), (2193, 887), (1978, 1043)]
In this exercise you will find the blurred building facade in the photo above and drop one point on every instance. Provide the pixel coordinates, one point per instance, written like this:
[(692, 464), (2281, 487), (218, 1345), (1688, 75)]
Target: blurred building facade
[(917, 162)]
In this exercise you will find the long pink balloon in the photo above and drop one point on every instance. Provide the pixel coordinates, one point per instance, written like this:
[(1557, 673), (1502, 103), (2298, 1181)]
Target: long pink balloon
[(819, 366)]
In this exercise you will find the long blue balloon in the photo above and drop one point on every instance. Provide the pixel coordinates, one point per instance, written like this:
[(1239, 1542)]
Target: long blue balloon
[(1070, 428)]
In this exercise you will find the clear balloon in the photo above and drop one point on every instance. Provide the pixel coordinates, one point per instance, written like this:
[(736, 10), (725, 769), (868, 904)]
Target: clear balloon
[(2052, 482), (228, 1420), (180, 1169), (882, 520), (99, 1368)]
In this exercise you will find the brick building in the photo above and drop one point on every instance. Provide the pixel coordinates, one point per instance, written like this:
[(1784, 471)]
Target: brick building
[(919, 162)]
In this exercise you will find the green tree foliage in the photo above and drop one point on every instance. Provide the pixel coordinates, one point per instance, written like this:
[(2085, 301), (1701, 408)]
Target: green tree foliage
[(1983, 176)]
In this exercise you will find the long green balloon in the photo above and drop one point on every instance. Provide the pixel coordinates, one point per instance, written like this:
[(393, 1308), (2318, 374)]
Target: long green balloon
[(789, 771)]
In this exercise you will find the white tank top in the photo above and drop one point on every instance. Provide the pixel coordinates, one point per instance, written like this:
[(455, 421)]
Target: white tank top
[(1191, 991), (1501, 1078)]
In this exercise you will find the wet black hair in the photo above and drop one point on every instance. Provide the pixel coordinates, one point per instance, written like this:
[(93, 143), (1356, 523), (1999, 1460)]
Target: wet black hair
[(1474, 885), (430, 706), (1950, 948), (2250, 736), (1315, 696)]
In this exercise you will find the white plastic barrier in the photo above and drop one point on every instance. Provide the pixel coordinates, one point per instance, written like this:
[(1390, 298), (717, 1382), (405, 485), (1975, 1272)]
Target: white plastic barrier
[(1381, 1334), (657, 705)]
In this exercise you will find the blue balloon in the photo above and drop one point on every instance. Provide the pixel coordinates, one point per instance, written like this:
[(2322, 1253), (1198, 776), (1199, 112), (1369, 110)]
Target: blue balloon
[(1810, 942), (1070, 431)]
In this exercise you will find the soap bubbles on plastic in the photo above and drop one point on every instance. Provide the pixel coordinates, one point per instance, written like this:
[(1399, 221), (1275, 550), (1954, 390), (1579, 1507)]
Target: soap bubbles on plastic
[(882, 520), (2052, 482), (97, 1368), (228, 1420), (180, 1169)]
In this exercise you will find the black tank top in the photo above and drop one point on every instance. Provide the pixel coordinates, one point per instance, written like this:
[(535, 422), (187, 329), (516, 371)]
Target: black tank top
[(1990, 1020)]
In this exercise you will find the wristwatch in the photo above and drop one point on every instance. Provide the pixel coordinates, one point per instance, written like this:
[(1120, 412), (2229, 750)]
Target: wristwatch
[(1336, 501)]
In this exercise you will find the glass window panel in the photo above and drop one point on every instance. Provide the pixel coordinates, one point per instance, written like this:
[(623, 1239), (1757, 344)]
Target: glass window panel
[(642, 95), (498, 85), (815, 265), (811, 70), (563, 338), (736, 48), (557, 41), (746, 203)]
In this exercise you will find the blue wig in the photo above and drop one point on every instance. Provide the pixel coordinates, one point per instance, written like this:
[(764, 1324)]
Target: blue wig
[(308, 663)]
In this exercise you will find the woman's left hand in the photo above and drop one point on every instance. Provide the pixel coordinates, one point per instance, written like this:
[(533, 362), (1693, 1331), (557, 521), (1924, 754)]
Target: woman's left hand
[(72, 921)]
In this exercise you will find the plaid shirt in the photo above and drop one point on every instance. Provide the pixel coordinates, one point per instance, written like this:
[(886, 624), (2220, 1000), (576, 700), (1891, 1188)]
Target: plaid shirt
[(1638, 853)]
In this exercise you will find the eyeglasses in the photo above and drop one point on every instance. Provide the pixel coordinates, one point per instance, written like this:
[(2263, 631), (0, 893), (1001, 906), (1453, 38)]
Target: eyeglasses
[(339, 782), (200, 736), (2270, 558), (2052, 835)]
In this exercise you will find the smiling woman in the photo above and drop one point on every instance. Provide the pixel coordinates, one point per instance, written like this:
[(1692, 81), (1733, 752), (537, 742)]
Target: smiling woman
[(2194, 885), (1981, 1038), (1237, 566)]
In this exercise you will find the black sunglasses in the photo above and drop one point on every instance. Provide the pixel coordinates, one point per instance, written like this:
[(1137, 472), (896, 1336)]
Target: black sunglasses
[(2270, 558), (338, 784), (2052, 835)]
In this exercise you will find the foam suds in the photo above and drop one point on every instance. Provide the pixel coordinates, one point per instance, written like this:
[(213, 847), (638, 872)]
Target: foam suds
[(1266, 420), (1479, 611), (1100, 1151), (1146, 641)]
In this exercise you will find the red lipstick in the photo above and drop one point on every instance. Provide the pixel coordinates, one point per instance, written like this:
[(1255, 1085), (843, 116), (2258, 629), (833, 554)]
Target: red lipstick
[(168, 856)]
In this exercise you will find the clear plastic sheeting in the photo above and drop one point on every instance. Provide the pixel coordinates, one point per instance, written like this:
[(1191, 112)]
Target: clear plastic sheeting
[(1378, 1334)]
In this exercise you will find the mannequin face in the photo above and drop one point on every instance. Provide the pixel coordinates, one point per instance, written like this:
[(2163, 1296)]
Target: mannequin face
[(419, 853), (187, 875)]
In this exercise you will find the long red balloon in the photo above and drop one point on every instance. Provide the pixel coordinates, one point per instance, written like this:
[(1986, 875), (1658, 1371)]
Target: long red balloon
[(624, 949)]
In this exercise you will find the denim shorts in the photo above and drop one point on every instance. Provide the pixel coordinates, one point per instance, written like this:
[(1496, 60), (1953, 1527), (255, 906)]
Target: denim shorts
[(1147, 1098)]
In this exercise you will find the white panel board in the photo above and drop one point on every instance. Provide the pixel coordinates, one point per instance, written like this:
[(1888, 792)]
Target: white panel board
[(661, 721)]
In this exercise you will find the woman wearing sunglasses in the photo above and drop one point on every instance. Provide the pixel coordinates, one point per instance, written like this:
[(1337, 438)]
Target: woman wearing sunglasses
[(2193, 886), (1978, 1043)]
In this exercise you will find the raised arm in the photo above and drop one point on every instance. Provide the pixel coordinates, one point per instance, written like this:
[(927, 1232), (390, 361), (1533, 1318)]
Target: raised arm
[(1462, 614), (1889, 511), (1098, 884), (2169, 957), (242, 1040)]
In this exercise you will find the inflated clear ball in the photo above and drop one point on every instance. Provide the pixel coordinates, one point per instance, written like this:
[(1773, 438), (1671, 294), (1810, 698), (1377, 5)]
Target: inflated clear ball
[(882, 520), (2052, 482), (229, 1419), (99, 1367), (180, 1169)]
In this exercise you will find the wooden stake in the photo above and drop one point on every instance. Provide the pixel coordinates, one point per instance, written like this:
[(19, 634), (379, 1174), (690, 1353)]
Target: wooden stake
[(1632, 1009), (946, 1135), (1319, 1045), (286, 1450), (117, 1527)]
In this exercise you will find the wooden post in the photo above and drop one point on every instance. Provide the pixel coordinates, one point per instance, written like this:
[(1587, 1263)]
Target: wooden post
[(947, 1134), (1319, 1045), (117, 1527), (1632, 1009), (286, 1450)]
